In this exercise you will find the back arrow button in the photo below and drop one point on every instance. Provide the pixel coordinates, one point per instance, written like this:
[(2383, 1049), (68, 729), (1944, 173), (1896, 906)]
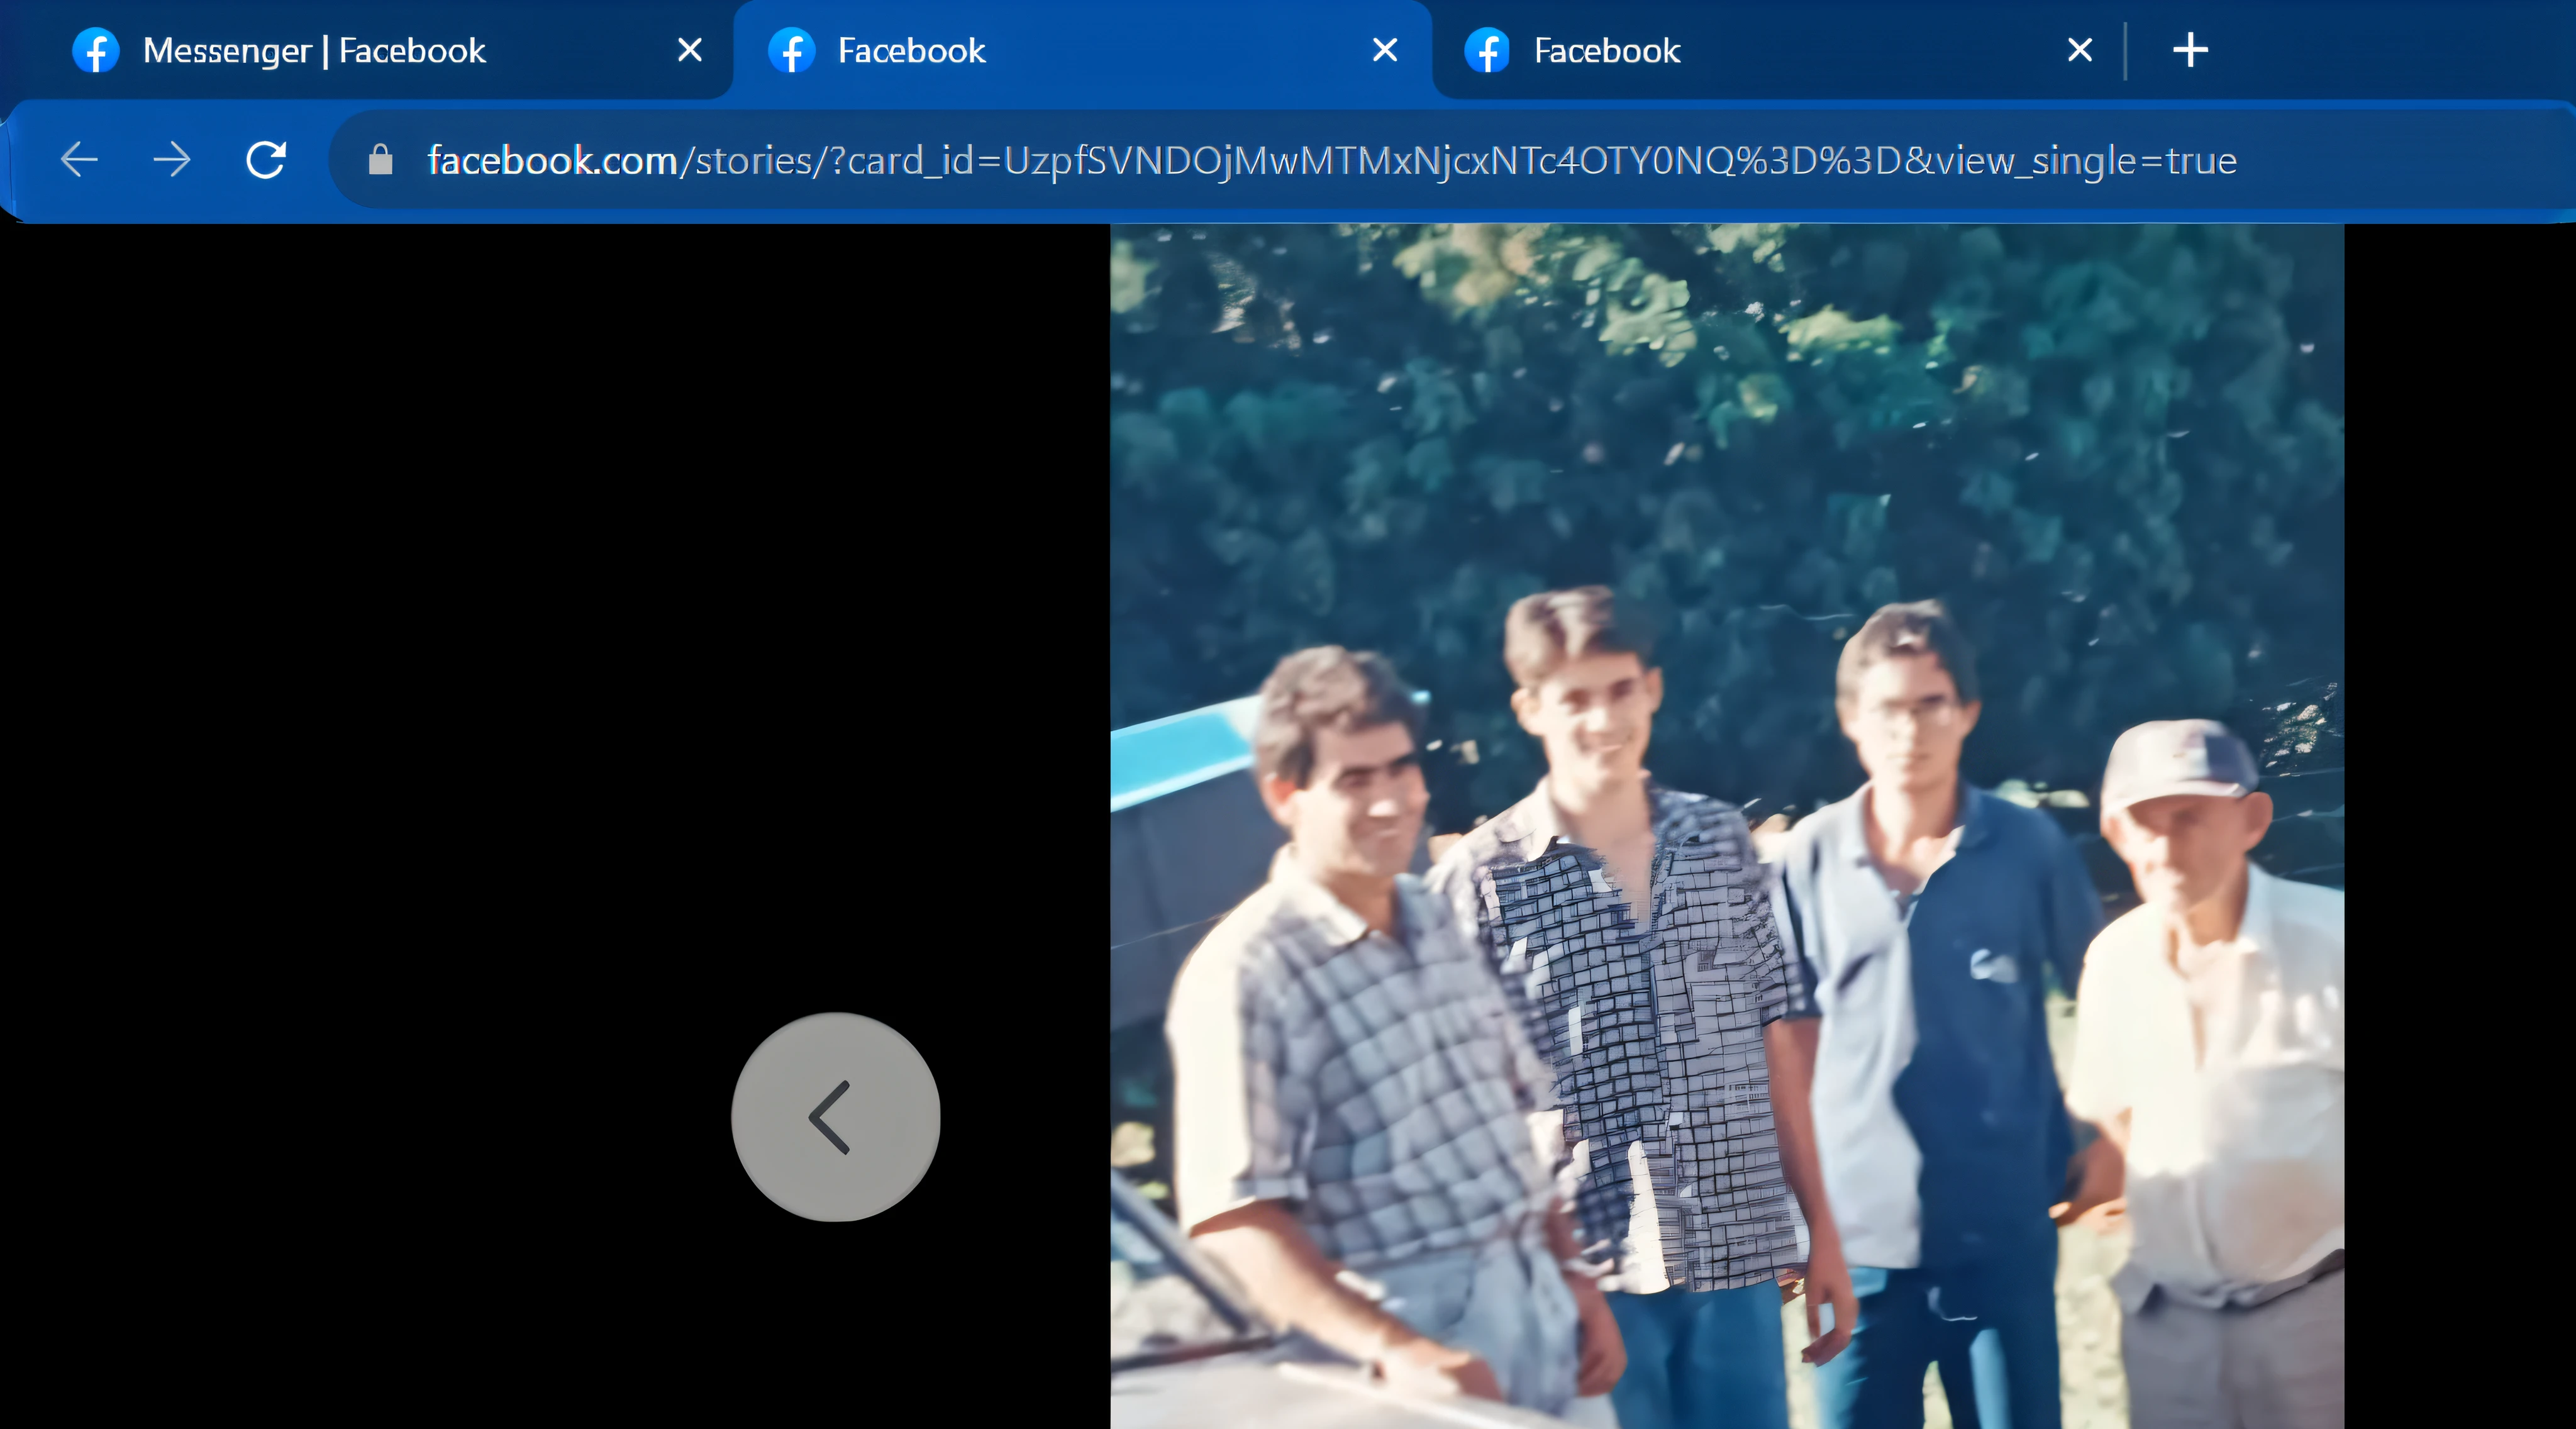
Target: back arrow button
[(68, 160), (816, 1116), (176, 164)]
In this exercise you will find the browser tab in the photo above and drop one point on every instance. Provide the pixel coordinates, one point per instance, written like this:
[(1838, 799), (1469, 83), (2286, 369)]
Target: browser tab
[(1993, 49), (576, 49)]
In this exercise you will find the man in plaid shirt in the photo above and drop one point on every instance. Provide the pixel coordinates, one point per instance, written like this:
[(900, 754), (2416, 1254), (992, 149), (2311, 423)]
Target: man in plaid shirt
[(1632, 924), (1354, 1095)]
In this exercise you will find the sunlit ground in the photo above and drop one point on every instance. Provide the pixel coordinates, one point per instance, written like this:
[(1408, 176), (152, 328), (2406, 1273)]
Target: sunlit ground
[(2088, 1319)]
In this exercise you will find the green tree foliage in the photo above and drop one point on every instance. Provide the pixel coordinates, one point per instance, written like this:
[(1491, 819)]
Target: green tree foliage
[(2117, 452)]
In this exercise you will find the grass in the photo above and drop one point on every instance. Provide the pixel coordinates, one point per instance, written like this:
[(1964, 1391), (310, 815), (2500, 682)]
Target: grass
[(2094, 1392)]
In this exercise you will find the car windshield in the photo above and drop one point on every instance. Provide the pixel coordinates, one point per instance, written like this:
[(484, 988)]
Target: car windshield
[(1156, 1309)]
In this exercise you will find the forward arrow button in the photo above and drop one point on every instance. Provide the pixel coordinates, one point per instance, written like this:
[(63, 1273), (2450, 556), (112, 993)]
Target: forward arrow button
[(178, 163)]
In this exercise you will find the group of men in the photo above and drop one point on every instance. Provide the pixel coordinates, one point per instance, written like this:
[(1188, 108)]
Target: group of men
[(1562, 1123)]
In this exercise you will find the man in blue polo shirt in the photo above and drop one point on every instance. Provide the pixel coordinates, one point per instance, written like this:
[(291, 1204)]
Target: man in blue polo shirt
[(1925, 918)]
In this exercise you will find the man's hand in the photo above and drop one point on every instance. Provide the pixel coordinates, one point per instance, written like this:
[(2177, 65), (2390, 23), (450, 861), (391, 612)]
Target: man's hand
[(1828, 1282), (2103, 1177), (1437, 1371), (1292, 1282), (1605, 1355), (2107, 1218)]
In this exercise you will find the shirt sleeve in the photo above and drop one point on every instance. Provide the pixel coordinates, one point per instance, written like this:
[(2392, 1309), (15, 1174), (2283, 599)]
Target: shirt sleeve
[(2330, 996), (1233, 1140), (1453, 881), (1797, 971), (1463, 889), (1466, 890), (2097, 1090), (1778, 992), (1532, 1077)]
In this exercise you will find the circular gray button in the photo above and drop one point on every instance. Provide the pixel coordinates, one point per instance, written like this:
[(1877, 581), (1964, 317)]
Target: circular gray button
[(836, 1117)]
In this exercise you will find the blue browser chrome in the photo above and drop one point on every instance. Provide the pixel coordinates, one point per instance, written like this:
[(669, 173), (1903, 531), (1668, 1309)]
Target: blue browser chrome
[(1336, 111)]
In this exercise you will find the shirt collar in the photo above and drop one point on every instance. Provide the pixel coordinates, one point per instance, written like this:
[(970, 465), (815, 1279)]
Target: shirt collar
[(1850, 839), (1976, 815), (1340, 925), (2254, 932), (2254, 929), (1537, 824)]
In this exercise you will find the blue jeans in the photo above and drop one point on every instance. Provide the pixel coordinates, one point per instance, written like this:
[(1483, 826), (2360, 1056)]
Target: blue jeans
[(1992, 1328), (1702, 1359)]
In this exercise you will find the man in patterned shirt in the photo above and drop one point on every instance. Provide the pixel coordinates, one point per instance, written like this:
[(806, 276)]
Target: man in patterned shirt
[(1352, 1120), (1633, 925)]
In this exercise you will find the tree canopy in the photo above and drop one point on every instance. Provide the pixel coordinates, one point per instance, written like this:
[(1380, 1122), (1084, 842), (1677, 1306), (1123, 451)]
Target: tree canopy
[(2115, 452)]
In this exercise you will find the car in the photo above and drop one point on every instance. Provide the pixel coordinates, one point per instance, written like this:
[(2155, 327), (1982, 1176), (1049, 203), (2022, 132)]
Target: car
[(1187, 1350)]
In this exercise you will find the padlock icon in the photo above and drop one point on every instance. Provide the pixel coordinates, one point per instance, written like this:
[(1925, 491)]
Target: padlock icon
[(380, 162)]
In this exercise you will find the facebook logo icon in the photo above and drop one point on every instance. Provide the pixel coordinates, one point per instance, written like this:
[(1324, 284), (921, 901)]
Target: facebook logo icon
[(791, 50), (1488, 50), (93, 51)]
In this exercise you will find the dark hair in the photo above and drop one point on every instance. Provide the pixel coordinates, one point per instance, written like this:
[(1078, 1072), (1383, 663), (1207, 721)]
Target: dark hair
[(1919, 627), (1544, 631), (1326, 687)]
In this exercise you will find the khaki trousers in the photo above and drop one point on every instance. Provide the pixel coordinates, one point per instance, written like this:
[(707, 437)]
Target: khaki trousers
[(2278, 1365)]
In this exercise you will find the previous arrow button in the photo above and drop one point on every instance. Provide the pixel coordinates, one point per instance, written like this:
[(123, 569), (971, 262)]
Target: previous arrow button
[(816, 1116), (886, 1136)]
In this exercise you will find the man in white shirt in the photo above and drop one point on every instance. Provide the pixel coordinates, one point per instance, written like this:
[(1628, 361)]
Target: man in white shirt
[(2209, 1050)]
